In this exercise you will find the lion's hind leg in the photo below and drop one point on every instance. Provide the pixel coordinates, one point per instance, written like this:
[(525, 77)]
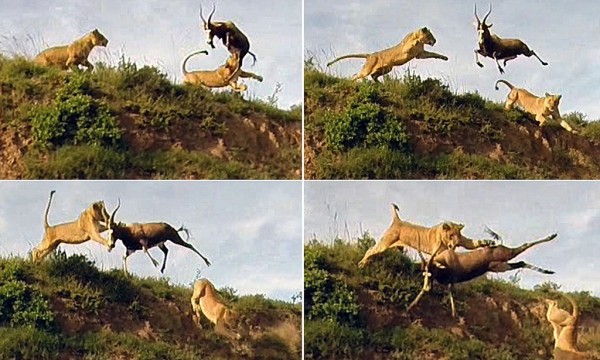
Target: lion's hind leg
[(388, 240), (367, 69)]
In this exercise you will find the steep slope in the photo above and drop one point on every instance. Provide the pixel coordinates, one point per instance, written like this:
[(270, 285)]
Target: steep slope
[(354, 313), (65, 308), (418, 128), (130, 122)]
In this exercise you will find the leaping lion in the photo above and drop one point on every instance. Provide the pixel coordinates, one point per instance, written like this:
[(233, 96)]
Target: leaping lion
[(382, 62), (73, 55), (227, 74), (541, 107), (402, 233)]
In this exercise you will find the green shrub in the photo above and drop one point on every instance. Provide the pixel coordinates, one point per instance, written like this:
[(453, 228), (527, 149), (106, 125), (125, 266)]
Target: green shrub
[(23, 305), (75, 117), (360, 163), (77, 162), (330, 340), (364, 123), (14, 269), (28, 344), (328, 298), (60, 265)]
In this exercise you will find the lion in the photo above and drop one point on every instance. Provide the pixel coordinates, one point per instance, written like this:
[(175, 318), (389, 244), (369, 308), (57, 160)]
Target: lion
[(86, 227), (541, 107), (556, 316), (205, 300), (225, 75), (426, 239), (71, 56), (565, 344), (382, 62)]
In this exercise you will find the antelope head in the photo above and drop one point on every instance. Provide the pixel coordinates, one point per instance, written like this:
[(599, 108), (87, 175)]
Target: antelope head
[(208, 26), (483, 28), (111, 226)]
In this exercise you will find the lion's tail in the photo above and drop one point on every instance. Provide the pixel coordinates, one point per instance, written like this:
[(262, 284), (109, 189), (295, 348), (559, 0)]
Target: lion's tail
[(46, 225), (185, 72), (363, 56), (510, 86), (395, 210), (575, 314)]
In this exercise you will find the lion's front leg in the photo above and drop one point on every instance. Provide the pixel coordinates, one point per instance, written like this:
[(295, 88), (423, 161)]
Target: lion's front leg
[(541, 119), (431, 55)]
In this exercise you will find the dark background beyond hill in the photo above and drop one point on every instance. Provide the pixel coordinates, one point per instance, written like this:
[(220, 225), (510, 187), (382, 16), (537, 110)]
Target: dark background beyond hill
[(126, 122), (417, 128), (65, 308), (353, 313)]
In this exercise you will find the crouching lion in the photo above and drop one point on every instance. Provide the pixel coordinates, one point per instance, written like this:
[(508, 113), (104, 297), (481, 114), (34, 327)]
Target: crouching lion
[(71, 56), (382, 62)]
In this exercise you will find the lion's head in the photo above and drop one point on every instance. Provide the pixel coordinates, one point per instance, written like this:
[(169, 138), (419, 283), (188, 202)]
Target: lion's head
[(98, 39), (425, 36), (451, 234), (551, 102)]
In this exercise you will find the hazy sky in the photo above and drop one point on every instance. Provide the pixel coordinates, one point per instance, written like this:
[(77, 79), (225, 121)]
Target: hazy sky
[(251, 231), (162, 33), (561, 32), (519, 211)]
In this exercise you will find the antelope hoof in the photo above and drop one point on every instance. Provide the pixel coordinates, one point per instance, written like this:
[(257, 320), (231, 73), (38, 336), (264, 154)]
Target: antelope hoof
[(445, 58), (480, 64), (544, 63)]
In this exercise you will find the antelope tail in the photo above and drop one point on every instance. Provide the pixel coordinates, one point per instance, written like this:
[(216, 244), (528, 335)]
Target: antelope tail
[(363, 56), (186, 231), (46, 225), (253, 57), (510, 86), (185, 72)]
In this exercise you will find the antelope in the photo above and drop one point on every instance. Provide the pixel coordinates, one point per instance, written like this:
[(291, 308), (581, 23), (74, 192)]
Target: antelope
[(494, 47), (233, 38), (145, 236), (449, 267)]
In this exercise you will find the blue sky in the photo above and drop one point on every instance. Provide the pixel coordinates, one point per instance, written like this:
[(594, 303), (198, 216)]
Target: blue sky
[(251, 231), (520, 211), (561, 32), (162, 33)]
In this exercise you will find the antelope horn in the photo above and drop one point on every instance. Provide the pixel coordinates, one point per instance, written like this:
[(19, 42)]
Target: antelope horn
[(476, 17), (202, 17), (112, 216), (488, 14), (211, 14)]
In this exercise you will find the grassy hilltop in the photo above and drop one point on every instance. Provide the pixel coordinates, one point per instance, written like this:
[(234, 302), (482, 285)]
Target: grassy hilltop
[(353, 313), (66, 308), (416, 128), (133, 123)]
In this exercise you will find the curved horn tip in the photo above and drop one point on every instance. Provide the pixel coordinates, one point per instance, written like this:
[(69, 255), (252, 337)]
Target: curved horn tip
[(212, 13)]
